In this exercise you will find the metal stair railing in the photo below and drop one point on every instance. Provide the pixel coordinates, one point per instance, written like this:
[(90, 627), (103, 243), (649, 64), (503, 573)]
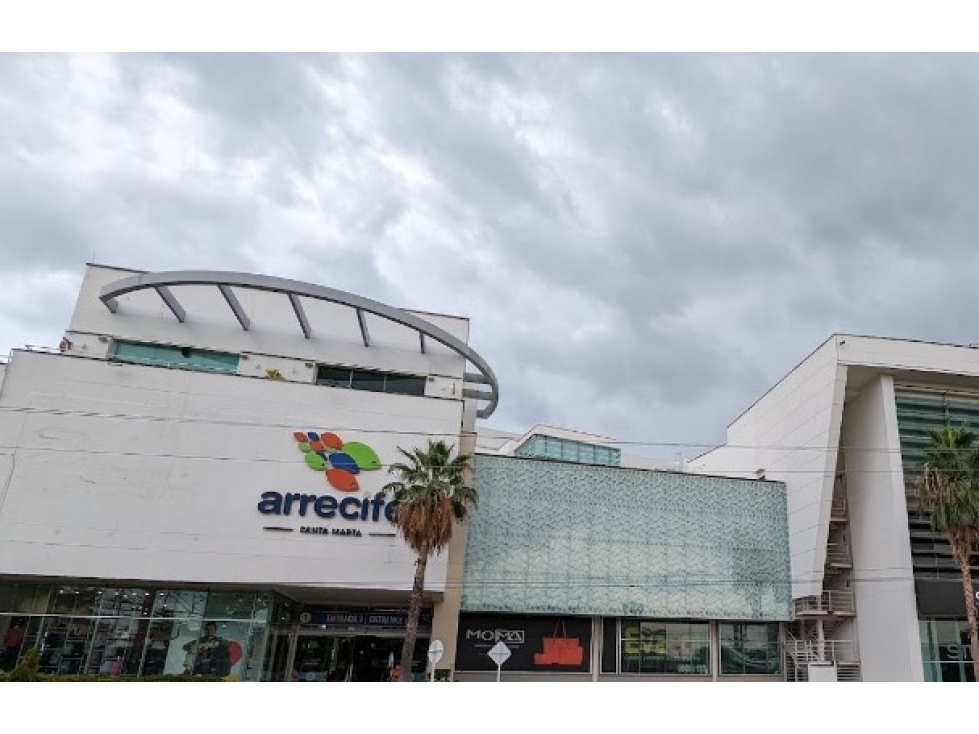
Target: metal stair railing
[(831, 601), (838, 554), (803, 652)]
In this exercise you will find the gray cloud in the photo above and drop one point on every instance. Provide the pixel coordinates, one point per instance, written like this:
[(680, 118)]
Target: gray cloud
[(644, 243)]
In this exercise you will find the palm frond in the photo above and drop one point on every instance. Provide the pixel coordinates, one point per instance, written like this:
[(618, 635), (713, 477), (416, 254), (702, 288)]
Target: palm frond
[(431, 494)]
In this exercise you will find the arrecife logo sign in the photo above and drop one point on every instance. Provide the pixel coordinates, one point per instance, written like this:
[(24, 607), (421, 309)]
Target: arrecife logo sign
[(340, 462)]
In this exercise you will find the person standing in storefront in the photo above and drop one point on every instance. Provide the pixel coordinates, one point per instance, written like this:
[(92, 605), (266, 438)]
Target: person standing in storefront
[(11, 645), (212, 654)]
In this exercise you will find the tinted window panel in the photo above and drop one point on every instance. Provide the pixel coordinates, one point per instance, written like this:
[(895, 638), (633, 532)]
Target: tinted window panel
[(370, 381), (404, 385), (333, 377)]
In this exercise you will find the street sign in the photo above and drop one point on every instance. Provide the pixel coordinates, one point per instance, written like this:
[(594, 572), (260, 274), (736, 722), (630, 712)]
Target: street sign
[(435, 651), (499, 654)]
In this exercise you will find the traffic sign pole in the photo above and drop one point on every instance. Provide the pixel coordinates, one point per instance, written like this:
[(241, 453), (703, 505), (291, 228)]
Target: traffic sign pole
[(499, 655), (435, 651)]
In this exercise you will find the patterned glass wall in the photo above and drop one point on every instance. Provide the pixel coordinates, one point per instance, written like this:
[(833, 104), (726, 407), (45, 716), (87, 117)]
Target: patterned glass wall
[(553, 537)]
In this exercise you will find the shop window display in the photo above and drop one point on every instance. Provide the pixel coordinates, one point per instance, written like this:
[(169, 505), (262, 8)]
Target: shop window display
[(671, 648), (750, 649)]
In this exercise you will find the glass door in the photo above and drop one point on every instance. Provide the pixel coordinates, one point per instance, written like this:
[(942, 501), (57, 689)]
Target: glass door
[(276, 656), (323, 658)]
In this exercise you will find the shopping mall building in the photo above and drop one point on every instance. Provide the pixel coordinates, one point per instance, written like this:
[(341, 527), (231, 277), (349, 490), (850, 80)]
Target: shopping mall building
[(199, 466), (192, 483), (211, 447), (876, 594)]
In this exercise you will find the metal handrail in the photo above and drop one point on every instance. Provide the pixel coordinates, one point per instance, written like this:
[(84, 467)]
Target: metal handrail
[(829, 601), (833, 651), (838, 553)]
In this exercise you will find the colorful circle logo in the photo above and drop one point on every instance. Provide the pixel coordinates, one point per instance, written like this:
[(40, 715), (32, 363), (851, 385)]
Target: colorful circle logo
[(339, 461)]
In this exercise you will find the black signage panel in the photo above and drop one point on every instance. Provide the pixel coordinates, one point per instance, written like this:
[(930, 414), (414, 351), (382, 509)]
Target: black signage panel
[(314, 617), (537, 642)]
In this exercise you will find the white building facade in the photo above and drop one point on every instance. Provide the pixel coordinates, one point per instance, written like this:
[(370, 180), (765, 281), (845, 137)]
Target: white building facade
[(876, 594), (211, 447)]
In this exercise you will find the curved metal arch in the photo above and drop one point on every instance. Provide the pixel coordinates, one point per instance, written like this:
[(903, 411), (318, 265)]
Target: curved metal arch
[(161, 282)]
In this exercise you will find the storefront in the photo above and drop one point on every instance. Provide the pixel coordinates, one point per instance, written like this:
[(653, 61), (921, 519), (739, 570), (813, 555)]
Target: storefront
[(239, 635), (136, 631), (589, 572), (566, 647), (352, 644)]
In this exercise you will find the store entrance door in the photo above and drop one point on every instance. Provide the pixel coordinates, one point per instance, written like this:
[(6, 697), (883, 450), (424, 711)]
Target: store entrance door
[(375, 657), (321, 657)]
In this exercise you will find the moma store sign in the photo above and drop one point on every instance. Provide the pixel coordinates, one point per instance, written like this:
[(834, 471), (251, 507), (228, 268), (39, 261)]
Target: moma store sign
[(537, 642)]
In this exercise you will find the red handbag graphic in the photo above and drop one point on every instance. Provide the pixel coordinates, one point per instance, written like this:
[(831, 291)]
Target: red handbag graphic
[(561, 650)]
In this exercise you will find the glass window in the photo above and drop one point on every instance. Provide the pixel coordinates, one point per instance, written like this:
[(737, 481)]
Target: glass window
[(370, 380), (159, 637), (674, 648), (117, 647), (260, 613), (364, 380), (946, 653), (750, 649), (183, 604), (405, 385), (332, 376), (64, 599), (30, 598), (125, 602), (221, 649), (560, 449), (171, 356), (230, 604)]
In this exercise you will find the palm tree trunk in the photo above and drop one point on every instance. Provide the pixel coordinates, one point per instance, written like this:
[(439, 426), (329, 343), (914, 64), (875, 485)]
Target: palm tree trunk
[(962, 556), (414, 613)]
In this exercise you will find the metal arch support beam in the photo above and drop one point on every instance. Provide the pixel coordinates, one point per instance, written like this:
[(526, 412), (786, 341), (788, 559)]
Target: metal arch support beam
[(172, 303), (232, 299), (300, 315), (294, 289), (421, 341), (364, 334)]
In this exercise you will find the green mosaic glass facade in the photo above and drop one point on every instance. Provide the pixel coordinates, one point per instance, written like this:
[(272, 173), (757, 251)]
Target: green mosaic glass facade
[(552, 537)]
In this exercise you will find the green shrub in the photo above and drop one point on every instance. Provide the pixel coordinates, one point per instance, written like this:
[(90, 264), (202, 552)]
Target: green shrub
[(26, 669), (97, 678)]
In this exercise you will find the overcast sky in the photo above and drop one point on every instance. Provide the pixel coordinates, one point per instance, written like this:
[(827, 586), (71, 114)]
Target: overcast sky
[(643, 243)]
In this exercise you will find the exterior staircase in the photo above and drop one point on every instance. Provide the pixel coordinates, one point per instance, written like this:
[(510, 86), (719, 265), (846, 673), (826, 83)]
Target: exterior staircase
[(818, 618)]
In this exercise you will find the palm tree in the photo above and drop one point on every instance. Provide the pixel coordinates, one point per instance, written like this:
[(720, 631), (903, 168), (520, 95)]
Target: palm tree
[(948, 489), (432, 494)]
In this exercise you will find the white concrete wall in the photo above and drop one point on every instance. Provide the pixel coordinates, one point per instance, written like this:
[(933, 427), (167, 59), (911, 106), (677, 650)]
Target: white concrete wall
[(728, 461), (135, 472), (792, 433), (902, 354), (887, 617), (273, 331)]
